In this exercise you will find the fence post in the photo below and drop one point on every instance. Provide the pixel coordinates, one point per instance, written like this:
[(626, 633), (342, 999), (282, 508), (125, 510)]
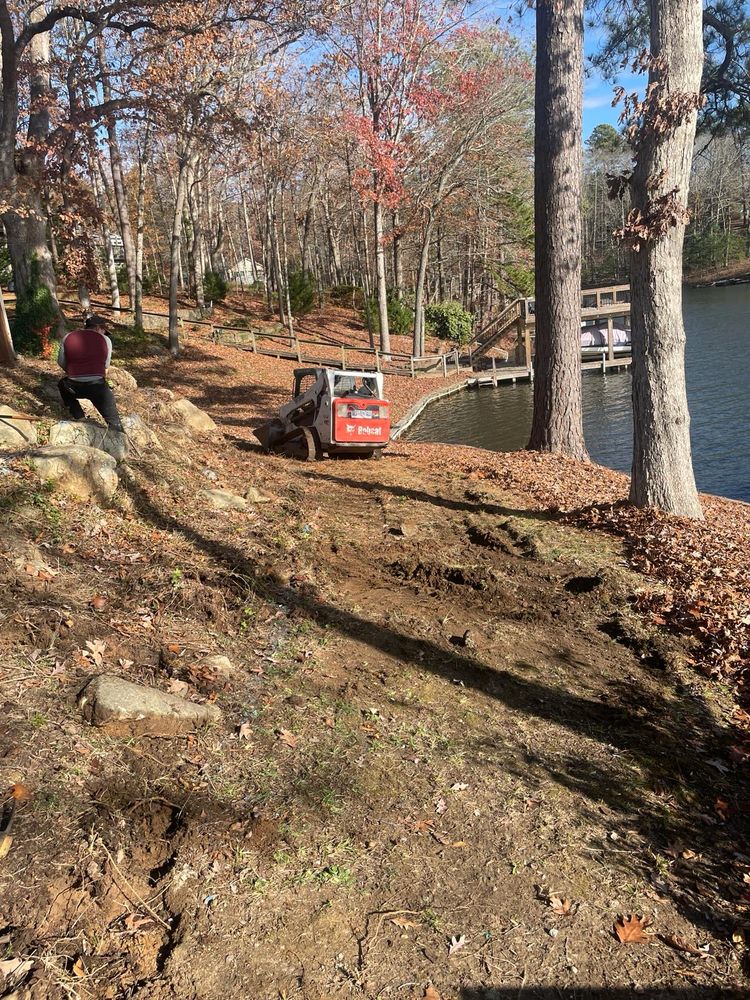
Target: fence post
[(377, 360), (611, 339), (458, 362), (343, 357), (252, 341), (494, 371), (411, 364), (299, 349), (445, 365)]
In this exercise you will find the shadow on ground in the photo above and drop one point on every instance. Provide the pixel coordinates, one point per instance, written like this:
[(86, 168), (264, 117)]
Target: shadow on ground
[(672, 800)]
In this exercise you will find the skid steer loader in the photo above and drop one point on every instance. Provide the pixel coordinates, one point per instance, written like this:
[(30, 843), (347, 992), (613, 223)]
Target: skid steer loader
[(333, 413)]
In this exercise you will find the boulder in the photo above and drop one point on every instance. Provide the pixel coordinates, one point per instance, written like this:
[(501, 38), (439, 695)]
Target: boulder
[(78, 470), (140, 434), (218, 664), (224, 500), (16, 433), (121, 380), (122, 708), (190, 416), (90, 435)]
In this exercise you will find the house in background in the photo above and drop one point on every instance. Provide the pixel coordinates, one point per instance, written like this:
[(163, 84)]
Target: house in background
[(244, 274)]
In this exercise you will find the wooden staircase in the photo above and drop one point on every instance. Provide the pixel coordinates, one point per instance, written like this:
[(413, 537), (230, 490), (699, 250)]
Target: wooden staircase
[(496, 329)]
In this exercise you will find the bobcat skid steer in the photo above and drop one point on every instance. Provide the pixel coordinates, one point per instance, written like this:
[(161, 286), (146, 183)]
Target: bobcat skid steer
[(331, 413)]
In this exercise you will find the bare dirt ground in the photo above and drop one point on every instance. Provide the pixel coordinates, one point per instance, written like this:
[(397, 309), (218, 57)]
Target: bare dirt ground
[(458, 745)]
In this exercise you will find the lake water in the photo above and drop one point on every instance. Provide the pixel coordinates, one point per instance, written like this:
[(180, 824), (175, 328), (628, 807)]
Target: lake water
[(717, 321)]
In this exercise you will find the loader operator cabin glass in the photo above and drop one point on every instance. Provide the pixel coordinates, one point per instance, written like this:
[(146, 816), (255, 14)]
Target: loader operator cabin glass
[(355, 385)]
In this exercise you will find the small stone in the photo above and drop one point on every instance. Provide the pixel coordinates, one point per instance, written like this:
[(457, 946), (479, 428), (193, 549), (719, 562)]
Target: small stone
[(16, 433), (122, 708), (553, 932), (210, 474), (405, 529), (218, 665), (255, 496), (224, 500)]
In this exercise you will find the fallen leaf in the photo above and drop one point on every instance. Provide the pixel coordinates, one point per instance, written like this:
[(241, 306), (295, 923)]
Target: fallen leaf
[(440, 806), (137, 921), (15, 967), (98, 602), (79, 969), (19, 792), (403, 923), (456, 943), (632, 929), (459, 786), (244, 731), (96, 650), (431, 994), (6, 842), (563, 907), (179, 688), (680, 944), (288, 738), (422, 825)]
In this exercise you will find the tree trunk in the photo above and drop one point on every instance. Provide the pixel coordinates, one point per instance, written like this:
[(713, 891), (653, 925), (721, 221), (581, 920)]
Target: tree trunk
[(418, 348), (662, 464), (8, 357), (398, 257), (174, 255), (557, 423), (193, 200), (385, 333), (118, 181), (99, 195), (140, 224)]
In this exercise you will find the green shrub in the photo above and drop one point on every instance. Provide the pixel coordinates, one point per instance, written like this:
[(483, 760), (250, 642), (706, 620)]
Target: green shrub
[(449, 321), (346, 295), (35, 316), (400, 316), (301, 293), (122, 278), (215, 286)]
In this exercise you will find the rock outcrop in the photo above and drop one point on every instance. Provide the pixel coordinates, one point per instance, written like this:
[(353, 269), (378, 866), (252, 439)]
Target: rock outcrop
[(89, 435)]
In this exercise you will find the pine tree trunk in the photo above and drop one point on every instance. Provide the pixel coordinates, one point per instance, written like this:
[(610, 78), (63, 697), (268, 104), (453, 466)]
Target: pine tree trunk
[(662, 463), (557, 424)]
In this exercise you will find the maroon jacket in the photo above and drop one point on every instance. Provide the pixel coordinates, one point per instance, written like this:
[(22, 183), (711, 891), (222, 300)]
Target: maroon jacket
[(85, 354)]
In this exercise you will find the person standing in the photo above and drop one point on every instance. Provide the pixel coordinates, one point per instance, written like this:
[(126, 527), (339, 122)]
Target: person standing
[(85, 356)]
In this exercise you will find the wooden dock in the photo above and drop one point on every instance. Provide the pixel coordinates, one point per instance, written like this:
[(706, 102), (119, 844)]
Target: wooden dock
[(599, 307)]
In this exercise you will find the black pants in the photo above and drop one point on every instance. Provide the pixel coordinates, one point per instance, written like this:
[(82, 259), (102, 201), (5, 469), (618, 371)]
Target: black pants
[(98, 392)]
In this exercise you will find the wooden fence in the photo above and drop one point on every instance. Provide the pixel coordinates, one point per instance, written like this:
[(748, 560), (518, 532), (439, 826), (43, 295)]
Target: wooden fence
[(295, 348)]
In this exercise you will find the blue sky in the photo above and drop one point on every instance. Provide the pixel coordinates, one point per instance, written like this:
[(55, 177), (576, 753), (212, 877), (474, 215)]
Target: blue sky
[(597, 97)]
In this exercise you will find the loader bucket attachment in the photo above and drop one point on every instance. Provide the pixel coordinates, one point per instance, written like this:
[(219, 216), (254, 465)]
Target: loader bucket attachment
[(269, 433)]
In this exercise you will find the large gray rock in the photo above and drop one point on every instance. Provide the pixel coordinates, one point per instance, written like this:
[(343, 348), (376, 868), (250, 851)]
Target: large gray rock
[(122, 708), (192, 417), (78, 432), (225, 500), (82, 472), (140, 434), (121, 380), (16, 433)]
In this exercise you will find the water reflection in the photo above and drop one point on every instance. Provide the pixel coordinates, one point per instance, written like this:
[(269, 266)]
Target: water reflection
[(718, 335)]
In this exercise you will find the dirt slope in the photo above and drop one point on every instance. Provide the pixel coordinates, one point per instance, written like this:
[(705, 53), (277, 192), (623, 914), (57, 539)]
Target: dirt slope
[(444, 714)]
